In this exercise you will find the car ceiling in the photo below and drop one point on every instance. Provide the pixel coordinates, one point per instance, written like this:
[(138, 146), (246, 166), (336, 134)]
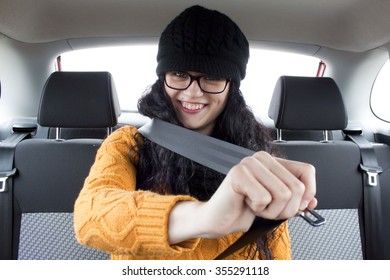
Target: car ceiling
[(352, 25)]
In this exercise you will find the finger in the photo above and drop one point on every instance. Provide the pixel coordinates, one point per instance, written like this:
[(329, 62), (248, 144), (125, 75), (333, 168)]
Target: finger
[(257, 197), (313, 204), (306, 174)]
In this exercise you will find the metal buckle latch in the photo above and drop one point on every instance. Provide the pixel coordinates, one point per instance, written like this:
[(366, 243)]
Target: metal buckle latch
[(312, 217), (372, 173), (3, 179)]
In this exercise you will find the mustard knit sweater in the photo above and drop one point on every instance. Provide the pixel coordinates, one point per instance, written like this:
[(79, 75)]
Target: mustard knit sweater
[(112, 216)]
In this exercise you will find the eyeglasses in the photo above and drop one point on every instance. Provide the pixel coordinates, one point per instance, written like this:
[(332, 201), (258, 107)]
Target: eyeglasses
[(182, 80)]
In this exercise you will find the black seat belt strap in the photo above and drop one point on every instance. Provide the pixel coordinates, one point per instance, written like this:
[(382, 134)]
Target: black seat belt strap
[(372, 210), (213, 153), (218, 155), (7, 171)]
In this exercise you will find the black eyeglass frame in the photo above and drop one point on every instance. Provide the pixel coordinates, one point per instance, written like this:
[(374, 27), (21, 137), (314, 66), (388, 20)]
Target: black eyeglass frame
[(197, 79)]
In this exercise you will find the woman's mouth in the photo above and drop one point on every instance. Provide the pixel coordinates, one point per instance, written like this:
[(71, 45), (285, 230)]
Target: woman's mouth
[(192, 107)]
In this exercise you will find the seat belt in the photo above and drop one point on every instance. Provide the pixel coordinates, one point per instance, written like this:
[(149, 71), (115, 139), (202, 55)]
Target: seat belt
[(220, 156), (7, 171), (372, 208)]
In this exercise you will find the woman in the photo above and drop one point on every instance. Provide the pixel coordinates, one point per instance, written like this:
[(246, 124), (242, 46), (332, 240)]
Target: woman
[(141, 201)]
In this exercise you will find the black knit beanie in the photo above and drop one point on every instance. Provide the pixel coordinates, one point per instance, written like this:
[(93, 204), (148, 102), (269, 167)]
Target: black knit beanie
[(205, 41)]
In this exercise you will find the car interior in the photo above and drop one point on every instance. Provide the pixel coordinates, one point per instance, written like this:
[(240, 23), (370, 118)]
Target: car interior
[(52, 121)]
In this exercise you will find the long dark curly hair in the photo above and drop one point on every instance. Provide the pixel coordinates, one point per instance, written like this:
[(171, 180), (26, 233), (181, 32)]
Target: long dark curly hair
[(165, 172)]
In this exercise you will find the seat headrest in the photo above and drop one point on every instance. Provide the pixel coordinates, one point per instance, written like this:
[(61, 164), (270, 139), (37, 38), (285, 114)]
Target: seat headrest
[(307, 103), (79, 100)]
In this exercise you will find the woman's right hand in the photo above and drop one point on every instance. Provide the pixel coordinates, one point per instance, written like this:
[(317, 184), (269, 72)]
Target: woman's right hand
[(260, 185)]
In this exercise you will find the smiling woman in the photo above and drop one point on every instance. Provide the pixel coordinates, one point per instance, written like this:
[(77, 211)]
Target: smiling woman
[(190, 211)]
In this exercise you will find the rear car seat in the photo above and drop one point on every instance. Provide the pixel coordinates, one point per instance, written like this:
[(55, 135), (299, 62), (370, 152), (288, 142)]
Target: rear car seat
[(306, 103), (51, 172)]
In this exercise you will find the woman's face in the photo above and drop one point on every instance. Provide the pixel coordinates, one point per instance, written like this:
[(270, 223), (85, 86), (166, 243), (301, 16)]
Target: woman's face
[(195, 109)]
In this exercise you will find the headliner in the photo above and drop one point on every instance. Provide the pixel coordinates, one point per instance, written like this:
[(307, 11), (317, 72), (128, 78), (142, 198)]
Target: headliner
[(352, 25)]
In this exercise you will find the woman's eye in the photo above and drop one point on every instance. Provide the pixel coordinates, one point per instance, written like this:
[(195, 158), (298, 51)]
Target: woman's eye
[(181, 75)]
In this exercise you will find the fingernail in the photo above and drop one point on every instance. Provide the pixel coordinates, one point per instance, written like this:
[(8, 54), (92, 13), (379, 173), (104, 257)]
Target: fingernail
[(304, 204)]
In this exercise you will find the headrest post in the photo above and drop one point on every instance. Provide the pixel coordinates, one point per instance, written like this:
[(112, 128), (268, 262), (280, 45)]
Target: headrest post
[(326, 135), (58, 133), (279, 135), (109, 130)]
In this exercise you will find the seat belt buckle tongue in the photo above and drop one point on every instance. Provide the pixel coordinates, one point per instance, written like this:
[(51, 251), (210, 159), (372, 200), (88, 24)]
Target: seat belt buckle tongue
[(372, 173), (3, 184), (3, 179), (312, 217)]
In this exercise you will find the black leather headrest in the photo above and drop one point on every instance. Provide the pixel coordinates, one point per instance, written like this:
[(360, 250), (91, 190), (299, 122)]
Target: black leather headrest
[(79, 100), (307, 103)]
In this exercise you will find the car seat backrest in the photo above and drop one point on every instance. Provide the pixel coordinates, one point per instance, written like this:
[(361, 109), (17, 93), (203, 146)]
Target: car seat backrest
[(50, 176), (307, 103), (51, 172)]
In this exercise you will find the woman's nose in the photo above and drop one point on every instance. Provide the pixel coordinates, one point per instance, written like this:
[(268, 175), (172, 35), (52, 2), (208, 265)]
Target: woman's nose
[(194, 89)]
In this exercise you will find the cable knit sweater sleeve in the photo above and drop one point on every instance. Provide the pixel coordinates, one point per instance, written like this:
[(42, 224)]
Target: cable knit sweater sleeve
[(112, 216)]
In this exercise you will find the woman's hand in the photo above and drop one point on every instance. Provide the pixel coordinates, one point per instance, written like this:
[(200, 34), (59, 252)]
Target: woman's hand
[(260, 185)]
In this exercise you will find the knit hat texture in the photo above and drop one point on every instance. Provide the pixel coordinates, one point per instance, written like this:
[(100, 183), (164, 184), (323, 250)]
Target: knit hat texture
[(205, 41)]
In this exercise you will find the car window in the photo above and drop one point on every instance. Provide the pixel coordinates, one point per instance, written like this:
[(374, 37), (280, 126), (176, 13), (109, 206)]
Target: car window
[(133, 69), (380, 94)]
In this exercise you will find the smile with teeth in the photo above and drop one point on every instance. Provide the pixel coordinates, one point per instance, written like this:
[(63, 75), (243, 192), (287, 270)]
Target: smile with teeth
[(192, 106)]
